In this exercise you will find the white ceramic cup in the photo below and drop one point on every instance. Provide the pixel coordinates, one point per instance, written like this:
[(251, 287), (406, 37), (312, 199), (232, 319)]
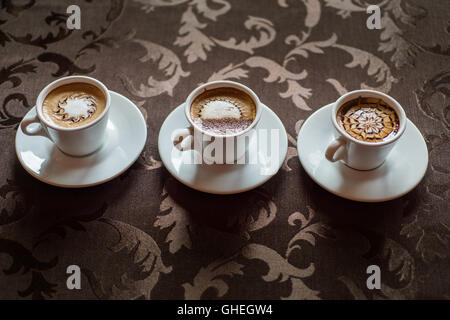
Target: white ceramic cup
[(79, 141), (358, 154), (184, 138)]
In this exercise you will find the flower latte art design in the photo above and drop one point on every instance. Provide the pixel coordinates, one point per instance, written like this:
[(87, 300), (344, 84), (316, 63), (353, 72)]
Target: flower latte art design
[(368, 120), (76, 108)]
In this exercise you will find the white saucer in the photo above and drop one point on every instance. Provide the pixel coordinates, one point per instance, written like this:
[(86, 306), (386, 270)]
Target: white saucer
[(219, 178), (126, 134), (400, 173)]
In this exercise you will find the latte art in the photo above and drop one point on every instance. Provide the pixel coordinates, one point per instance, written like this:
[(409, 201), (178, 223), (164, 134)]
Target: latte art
[(74, 105), (368, 120), (76, 108), (216, 109), (223, 111)]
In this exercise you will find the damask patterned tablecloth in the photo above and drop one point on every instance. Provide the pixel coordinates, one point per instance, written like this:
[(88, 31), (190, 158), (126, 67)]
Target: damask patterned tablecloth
[(144, 234)]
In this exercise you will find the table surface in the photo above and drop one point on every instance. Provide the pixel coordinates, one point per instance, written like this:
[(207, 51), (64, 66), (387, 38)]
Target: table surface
[(145, 235)]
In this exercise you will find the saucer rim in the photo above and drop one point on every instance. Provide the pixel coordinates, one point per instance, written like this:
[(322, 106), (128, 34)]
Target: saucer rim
[(79, 186), (359, 199), (264, 109)]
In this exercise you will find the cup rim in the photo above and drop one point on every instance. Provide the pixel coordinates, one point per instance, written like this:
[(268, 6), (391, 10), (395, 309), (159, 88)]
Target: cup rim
[(217, 84), (68, 80), (362, 92)]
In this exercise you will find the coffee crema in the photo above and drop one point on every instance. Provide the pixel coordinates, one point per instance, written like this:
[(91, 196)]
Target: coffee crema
[(368, 120), (223, 111), (74, 105)]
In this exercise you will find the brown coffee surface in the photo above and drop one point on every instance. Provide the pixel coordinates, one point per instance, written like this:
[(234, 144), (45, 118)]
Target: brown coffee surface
[(74, 105), (223, 111), (368, 120)]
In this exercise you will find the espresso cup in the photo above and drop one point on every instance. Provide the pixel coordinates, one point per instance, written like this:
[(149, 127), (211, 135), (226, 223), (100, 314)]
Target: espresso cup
[(192, 137), (77, 141), (357, 154)]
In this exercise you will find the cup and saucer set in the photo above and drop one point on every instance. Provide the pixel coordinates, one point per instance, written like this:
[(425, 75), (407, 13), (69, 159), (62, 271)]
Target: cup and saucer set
[(221, 140)]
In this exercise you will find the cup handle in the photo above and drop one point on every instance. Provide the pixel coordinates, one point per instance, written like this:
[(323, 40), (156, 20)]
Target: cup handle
[(37, 132), (336, 150)]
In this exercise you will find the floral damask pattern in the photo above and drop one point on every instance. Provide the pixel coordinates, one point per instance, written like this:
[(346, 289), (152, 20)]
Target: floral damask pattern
[(146, 236)]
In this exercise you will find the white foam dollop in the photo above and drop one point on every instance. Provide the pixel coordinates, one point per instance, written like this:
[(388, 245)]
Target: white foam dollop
[(220, 109), (78, 107)]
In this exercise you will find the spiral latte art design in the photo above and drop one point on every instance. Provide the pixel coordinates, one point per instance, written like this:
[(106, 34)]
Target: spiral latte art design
[(76, 108), (368, 120), (74, 105)]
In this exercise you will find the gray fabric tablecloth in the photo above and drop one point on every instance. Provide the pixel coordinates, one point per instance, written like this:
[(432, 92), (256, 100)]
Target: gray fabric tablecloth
[(144, 234)]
